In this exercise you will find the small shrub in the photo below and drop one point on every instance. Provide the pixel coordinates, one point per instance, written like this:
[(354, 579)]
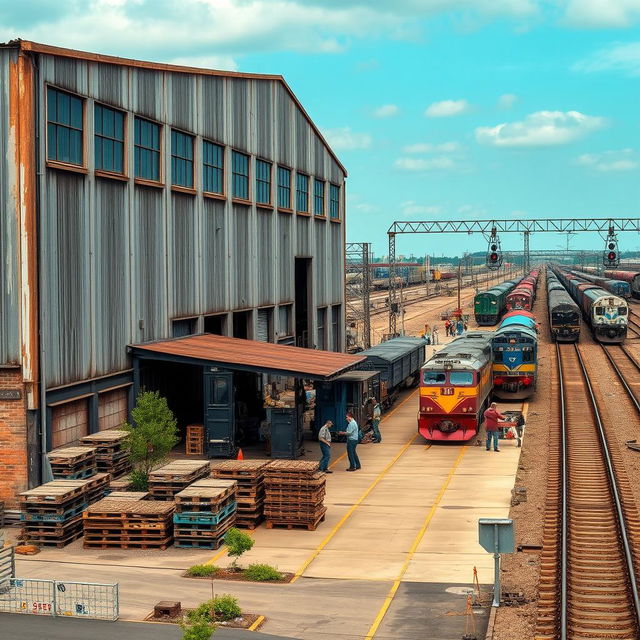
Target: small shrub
[(197, 628), (221, 608), (238, 542), (202, 570), (262, 573), (139, 480)]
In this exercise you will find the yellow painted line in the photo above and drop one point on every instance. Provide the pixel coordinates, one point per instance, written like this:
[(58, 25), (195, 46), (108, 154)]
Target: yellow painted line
[(256, 624), (359, 501), (416, 542), (342, 457), (223, 551)]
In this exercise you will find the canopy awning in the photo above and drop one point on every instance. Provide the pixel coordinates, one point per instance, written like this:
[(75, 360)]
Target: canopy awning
[(248, 355)]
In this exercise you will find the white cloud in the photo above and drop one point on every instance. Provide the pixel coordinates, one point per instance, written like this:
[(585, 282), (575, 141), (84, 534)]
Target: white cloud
[(507, 100), (438, 163), (447, 108), (411, 208), (618, 57), (600, 14), (343, 138), (386, 111), (428, 147), (608, 161), (540, 129)]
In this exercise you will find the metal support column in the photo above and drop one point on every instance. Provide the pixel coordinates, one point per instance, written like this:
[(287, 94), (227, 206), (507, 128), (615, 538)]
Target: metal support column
[(393, 304), (526, 257), (358, 274)]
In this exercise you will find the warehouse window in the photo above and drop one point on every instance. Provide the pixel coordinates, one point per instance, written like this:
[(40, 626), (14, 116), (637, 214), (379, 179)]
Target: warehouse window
[(64, 127), (322, 328), (318, 197), (240, 175), (263, 182), (334, 201), (112, 409), (213, 167), (109, 139), (302, 193), (285, 314), (146, 149), (181, 159), (70, 422), (284, 188), (183, 327)]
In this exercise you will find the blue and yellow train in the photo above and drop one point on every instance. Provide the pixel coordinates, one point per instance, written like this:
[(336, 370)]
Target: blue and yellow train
[(515, 357)]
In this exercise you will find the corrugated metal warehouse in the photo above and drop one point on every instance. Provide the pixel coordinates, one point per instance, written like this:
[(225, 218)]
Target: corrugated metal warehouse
[(141, 202)]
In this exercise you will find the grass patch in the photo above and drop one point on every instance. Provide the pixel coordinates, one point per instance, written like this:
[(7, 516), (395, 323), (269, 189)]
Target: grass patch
[(262, 573), (202, 571)]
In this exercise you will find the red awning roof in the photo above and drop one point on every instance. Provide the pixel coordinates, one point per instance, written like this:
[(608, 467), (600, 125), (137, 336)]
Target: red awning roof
[(235, 353)]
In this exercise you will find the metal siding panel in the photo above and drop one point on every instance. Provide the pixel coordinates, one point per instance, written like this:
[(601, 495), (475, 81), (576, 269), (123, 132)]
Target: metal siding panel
[(212, 110), (337, 259), (71, 74), (322, 265), (303, 228), (108, 83), (285, 261), (241, 257), (319, 155), (66, 282), (240, 110), (264, 118), (215, 267), (302, 142), (9, 240), (284, 122), (266, 264), (148, 93), (150, 264), (184, 256), (111, 277), (182, 101), (336, 174)]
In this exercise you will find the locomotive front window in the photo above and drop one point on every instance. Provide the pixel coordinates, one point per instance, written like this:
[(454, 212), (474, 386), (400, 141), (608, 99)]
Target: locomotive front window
[(497, 356), (527, 356), (461, 378), (599, 311), (622, 311), (434, 377)]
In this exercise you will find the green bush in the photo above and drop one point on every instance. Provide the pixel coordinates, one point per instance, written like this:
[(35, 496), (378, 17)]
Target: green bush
[(197, 628), (221, 608), (237, 542), (262, 573), (202, 570), (139, 480)]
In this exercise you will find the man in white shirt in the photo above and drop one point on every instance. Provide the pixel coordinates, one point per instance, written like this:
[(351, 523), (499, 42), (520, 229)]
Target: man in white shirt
[(324, 436), (353, 437)]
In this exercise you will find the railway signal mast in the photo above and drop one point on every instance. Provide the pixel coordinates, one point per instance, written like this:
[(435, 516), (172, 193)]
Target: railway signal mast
[(610, 257), (494, 253)]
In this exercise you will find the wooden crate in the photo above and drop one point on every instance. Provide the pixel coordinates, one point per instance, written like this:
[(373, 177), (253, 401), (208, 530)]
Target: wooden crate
[(194, 441)]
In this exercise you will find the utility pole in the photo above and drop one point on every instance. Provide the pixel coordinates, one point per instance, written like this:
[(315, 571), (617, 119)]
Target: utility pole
[(459, 285)]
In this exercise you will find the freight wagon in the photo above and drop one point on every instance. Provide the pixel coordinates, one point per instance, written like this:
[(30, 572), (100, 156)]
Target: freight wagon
[(632, 277), (489, 305), (564, 313)]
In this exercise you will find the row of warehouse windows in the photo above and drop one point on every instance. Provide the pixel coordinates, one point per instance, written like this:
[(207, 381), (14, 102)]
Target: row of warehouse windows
[(65, 144)]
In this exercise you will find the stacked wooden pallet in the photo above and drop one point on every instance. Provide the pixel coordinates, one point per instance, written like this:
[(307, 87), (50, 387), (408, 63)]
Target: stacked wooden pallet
[(73, 462), (122, 484), (51, 514), (204, 512), (172, 478), (111, 457), (249, 474), (194, 442), (295, 491), (126, 523)]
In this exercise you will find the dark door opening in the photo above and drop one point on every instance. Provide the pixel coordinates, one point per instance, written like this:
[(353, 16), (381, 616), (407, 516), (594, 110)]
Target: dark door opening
[(241, 320), (303, 288), (219, 413), (215, 324)]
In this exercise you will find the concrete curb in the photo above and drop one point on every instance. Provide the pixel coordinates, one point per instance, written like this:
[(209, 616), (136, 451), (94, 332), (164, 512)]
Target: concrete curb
[(491, 623)]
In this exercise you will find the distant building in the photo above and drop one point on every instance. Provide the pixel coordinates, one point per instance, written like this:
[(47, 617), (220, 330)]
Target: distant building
[(144, 201)]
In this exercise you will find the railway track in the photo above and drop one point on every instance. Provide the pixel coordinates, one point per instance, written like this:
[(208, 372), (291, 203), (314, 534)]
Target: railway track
[(627, 369), (588, 588), (633, 323)]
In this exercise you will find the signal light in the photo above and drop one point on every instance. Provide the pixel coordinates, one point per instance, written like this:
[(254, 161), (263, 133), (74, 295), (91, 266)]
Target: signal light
[(494, 247), (611, 255), (493, 257), (612, 245)]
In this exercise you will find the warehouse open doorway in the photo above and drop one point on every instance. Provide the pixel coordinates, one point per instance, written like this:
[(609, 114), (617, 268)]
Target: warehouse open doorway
[(302, 300)]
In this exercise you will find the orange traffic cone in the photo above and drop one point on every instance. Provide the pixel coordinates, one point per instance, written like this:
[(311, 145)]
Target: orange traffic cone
[(240, 455)]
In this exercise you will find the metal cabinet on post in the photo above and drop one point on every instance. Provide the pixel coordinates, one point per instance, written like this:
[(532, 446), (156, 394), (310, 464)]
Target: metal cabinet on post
[(286, 433)]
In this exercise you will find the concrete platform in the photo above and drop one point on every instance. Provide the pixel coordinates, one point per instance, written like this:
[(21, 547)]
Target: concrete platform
[(407, 521)]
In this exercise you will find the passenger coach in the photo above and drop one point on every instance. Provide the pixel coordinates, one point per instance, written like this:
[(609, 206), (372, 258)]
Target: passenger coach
[(564, 313), (454, 388)]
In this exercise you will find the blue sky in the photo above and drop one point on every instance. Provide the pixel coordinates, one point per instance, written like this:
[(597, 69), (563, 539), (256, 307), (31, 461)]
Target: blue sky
[(439, 109)]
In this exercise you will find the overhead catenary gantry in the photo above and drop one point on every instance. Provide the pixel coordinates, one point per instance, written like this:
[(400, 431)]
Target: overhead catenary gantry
[(486, 227)]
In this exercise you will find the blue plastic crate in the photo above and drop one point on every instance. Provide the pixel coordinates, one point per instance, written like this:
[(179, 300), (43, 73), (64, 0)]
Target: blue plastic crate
[(204, 517)]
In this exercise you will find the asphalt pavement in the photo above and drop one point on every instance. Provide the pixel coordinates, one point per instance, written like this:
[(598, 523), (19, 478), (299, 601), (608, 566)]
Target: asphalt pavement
[(28, 627)]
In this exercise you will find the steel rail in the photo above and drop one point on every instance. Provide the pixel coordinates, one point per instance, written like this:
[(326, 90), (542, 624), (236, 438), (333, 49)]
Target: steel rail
[(564, 497), (615, 493), (623, 380)]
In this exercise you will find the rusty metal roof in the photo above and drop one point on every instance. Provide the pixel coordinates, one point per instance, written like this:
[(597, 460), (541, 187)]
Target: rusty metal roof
[(236, 353)]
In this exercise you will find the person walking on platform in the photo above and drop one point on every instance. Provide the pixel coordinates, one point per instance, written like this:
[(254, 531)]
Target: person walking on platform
[(377, 412), (491, 417), (353, 437), (324, 436), (519, 427), (434, 336)]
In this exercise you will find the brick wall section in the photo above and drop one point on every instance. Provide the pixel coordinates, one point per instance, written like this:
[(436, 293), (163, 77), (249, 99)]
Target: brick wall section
[(13, 440)]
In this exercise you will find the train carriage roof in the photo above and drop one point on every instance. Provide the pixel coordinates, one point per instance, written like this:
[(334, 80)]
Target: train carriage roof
[(466, 353), (522, 330), (518, 320), (558, 297), (597, 294)]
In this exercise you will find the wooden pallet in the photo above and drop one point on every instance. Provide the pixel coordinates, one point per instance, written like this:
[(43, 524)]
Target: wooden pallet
[(239, 469), (129, 509), (194, 441), (205, 492), (59, 543), (310, 525), (154, 544), (291, 467), (180, 471), (127, 495)]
